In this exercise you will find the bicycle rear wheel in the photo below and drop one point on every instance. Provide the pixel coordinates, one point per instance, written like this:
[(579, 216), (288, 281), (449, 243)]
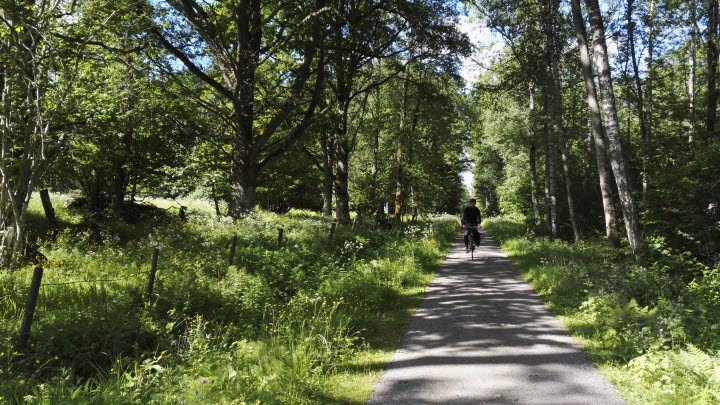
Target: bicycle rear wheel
[(472, 246)]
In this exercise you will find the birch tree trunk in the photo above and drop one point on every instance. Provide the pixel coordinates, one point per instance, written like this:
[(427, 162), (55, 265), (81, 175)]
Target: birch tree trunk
[(612, 125), (533, 153), (691, 76), (712, 68), (596, 126), (551, 127)]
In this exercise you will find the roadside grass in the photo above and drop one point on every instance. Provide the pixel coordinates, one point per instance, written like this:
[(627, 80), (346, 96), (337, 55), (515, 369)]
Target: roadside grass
[(652, 330), (309, 322)]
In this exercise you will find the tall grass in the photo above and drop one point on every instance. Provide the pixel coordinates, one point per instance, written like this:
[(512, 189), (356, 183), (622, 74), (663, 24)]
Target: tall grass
[(285, 324), (652, 329)]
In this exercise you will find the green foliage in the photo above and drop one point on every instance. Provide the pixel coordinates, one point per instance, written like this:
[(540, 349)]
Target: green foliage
[(688, 376), (275, 327), (652, 328)]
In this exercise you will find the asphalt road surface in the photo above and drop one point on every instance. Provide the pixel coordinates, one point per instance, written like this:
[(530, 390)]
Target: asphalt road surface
[(482, 336)]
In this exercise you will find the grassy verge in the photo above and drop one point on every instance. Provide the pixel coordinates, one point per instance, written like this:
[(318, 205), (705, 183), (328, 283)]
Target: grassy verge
[(653, 330), (307, 322)]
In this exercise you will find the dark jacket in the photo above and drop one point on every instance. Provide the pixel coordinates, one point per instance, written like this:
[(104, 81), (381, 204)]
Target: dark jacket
[(471, 216)]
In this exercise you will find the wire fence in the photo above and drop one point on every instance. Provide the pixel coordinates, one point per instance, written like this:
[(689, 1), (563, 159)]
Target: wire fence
[(12, 292), (34, 288), (104, 280)]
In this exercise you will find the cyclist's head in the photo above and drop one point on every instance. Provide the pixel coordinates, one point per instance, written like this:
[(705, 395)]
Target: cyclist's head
[(471, 201)]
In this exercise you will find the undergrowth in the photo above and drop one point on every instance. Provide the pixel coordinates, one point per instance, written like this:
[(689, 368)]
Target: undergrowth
[(283, 324), (653, 329)]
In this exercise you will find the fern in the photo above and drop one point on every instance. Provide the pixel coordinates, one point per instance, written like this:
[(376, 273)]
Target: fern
[(697, 361)]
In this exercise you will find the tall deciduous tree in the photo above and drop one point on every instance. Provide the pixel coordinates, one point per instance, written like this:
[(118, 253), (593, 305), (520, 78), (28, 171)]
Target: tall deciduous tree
[(553, 117), (596, 125), (266, 63), (612, 126), (37, 71)]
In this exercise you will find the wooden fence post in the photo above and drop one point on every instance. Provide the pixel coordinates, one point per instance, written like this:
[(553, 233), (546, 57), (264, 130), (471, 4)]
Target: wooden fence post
[(332, 232), (280, 237), (151, 277), (233, 244), (29, 309)]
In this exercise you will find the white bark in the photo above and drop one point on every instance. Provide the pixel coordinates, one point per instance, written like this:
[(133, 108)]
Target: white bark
[(612, 126), (596, 126)]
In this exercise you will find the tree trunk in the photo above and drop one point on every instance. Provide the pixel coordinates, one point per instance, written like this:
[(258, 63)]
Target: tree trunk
[(596, 127), (691, 76), (342, 149), (533, 185), (551, 115), (712, 68), (120, 178), (242, 184), (640, 102), (376, 195), (215, 198), (612, 126), (491, 204), (650, 78), (533, 157), (557, 118), (342, 195), (568, 187), (327, 166), (401, 155), (47, 207)]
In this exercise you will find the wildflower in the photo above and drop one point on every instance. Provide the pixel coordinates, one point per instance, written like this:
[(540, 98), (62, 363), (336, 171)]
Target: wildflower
[(204, 382)]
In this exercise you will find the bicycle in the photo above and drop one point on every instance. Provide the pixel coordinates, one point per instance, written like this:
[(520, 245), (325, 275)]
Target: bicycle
[(471, 240)]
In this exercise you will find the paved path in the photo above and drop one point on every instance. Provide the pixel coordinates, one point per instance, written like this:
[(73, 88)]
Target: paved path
[(482, 336)]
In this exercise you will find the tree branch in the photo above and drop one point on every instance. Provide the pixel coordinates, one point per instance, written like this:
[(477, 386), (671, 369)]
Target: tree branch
[(192, 67)]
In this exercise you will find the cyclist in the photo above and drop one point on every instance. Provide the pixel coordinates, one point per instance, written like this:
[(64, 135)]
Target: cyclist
[(470, 220)]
